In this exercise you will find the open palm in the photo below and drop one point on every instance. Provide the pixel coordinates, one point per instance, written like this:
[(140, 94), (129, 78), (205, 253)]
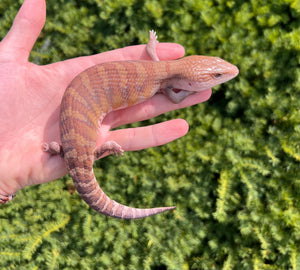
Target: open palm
[(30, 97)]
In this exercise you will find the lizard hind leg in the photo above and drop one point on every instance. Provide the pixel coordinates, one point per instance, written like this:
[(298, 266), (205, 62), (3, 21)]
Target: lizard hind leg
[(110, 147), (53, 148), (100, 202)]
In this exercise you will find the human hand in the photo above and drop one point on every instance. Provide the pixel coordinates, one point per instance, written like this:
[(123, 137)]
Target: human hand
[(30, 97)]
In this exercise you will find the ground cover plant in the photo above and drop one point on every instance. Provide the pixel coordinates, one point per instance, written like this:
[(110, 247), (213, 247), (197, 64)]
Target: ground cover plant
[(235, 177)]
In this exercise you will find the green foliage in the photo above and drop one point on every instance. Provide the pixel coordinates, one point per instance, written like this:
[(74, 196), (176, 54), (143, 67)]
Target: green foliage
[(234, 177)]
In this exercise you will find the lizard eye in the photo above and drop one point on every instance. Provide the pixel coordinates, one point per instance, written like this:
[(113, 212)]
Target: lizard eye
[(218, 75)]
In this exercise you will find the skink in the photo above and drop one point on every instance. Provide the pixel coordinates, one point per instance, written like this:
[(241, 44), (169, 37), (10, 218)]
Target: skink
[(111, 86)]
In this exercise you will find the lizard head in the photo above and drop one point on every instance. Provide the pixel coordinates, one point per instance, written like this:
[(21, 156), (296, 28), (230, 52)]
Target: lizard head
[(204, 72), (196, 73)]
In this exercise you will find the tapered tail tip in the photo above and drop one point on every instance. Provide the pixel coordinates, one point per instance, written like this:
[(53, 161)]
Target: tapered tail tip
[(135, 213)]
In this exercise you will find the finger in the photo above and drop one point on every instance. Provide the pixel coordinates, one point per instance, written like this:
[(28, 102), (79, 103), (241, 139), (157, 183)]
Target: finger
[(151, 108), (165, 51), (134, 139), (25, 30)]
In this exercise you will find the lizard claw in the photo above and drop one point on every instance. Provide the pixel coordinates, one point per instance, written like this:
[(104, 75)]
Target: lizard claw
[(153, 36)]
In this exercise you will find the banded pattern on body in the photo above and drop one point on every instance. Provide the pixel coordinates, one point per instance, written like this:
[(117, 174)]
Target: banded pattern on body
[(89, 97), (115, 85), (112, 86)]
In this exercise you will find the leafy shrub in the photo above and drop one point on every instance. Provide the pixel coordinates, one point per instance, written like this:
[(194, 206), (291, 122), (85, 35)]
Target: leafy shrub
[(234, 177)]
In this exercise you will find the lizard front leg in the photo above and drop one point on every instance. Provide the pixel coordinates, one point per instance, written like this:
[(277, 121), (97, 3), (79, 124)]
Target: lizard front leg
[(174, 95), (151, 46)]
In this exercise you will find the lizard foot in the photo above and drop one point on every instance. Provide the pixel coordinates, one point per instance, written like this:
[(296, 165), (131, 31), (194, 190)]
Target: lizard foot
[(151, 46), (53, 148), (110, 147)]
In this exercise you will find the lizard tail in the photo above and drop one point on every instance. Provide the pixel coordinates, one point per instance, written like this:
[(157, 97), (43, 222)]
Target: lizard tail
[(90, 191)]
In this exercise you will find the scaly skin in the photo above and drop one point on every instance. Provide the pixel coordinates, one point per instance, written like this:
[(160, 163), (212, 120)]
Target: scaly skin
[(110, 86)]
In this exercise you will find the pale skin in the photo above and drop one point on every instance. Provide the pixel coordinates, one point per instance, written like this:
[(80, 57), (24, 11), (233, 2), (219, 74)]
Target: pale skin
[(30, 97)]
